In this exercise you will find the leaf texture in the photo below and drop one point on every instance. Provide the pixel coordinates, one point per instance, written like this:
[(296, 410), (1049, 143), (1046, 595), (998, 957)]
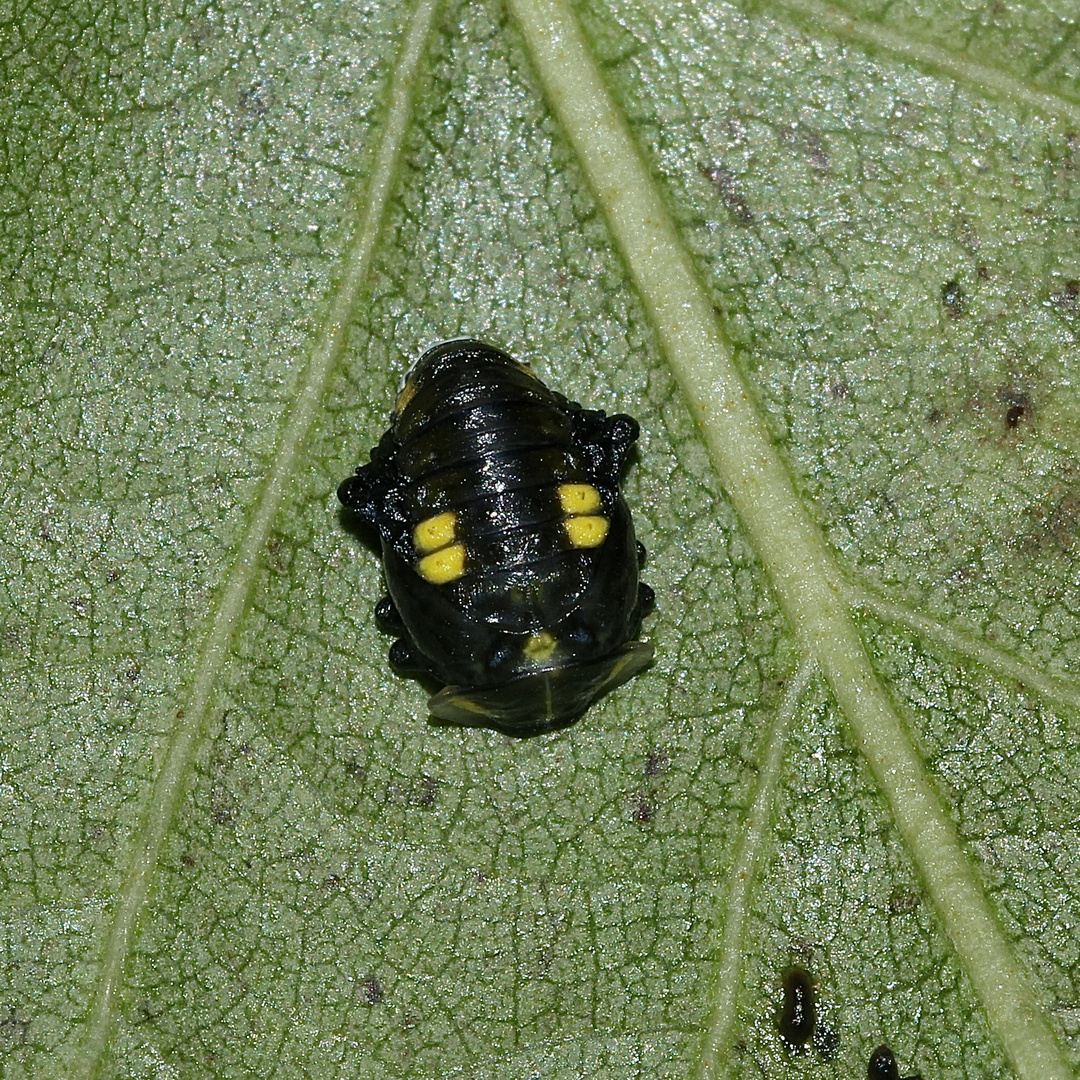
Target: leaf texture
[(826, 255)]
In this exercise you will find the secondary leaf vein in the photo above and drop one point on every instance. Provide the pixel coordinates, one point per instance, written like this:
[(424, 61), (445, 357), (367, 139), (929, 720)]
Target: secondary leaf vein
[(188, 722)]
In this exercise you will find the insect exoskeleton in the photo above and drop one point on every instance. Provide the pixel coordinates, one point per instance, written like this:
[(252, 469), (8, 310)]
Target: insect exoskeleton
[(509, 552)]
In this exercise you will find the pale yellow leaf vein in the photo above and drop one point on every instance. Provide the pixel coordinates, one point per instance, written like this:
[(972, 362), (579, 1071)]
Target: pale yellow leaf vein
[(788, 543), (824, 18), (188, 723), (743, 876), (1061, 692)]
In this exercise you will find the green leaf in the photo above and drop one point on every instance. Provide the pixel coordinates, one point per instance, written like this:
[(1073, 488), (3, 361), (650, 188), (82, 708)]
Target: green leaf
[(827, 256)]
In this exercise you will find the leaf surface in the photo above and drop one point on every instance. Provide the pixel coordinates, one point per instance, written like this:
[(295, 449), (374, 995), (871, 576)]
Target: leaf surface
[(827, 256)]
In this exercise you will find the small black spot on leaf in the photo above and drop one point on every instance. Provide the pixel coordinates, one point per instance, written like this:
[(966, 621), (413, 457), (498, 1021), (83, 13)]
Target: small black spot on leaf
[(1017, 407), (644, 808), (952, 297), (1065, 298), (371, 991), (798, 1014)]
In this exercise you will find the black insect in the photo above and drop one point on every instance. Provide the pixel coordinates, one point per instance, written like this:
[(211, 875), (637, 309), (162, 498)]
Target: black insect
[(798, 1014), (509, 553), (883, 1066)]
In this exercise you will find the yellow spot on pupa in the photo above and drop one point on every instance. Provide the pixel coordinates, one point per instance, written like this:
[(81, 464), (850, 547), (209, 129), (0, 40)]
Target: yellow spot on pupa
[(539, 647), (444, 566), (586, 532), (526, 370), (435, 532), (578, 498), (408, 392)]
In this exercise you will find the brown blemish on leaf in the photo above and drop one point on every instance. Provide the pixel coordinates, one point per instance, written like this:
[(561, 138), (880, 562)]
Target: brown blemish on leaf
[(644, 809), (1055, 526), (371, 991), (422, 792), (13, 1028), (656, 763), (807, 141), (1066, 298), (727, 184), (1064, 522), (903, 901)]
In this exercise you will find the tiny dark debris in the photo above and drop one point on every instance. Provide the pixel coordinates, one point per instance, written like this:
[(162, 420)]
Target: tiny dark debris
[(952, 296), (355, 770), (1064, 523), (808, 142), (147, 1015), (1017, 407), (1066, 297), (13, 1029), (644, 808), (371, 991), (903, 901), (429, 790), (423, 791), (798, 1014), (826, 1042)]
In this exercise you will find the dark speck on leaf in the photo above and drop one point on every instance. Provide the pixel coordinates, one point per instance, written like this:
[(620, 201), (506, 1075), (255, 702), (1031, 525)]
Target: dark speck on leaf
[(807, 141), (903, 901), (429, 790), (355, 770), (1017, 407), (644, 808), (730, 192), (1066, 297), (826, 1042), (656, 763), (798, 1014), (147, 1015), (13, 1028), (421, 792), (952, 296), (1063, 523), (371, 991), (883, 1066)]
